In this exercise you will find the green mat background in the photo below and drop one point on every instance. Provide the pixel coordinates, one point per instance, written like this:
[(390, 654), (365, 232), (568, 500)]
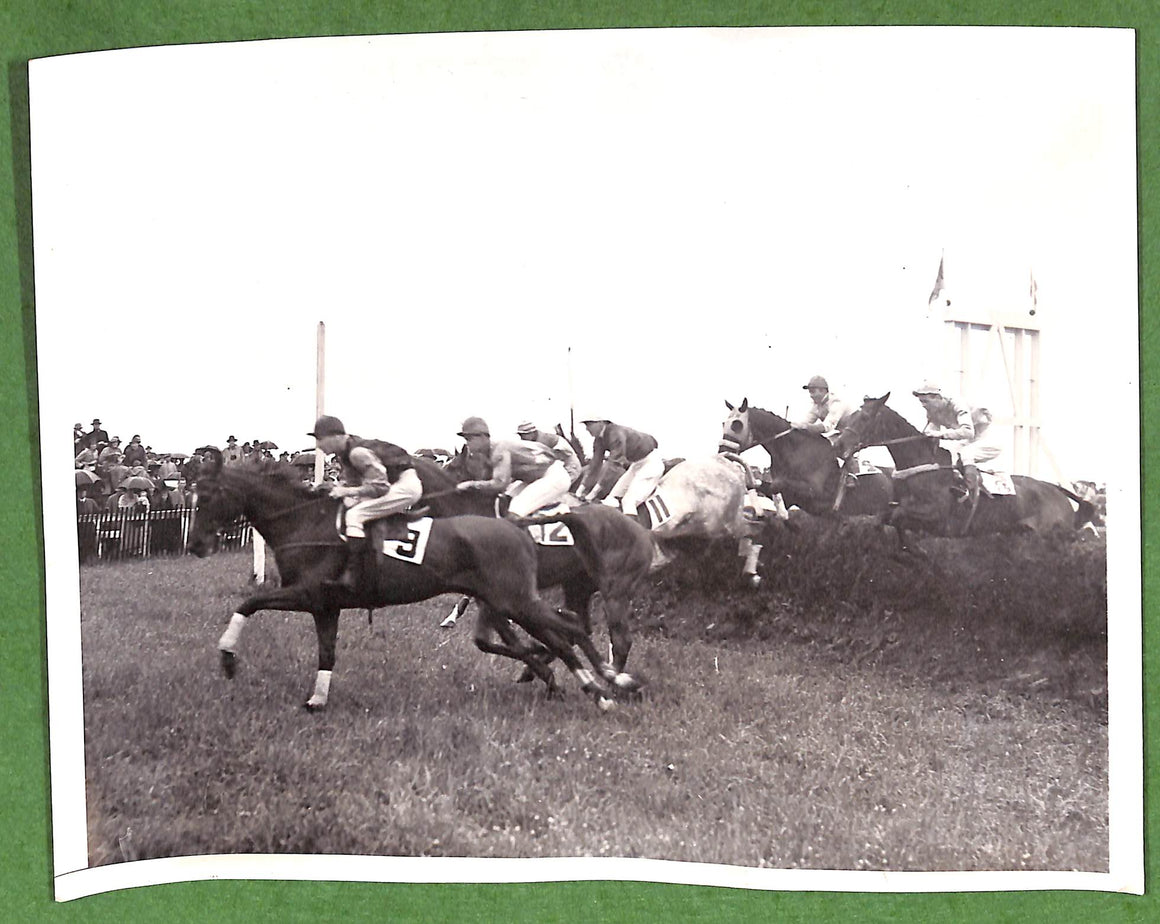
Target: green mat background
[(37, 29)]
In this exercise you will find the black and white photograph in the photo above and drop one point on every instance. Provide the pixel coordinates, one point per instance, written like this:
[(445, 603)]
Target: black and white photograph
[(702, 456)]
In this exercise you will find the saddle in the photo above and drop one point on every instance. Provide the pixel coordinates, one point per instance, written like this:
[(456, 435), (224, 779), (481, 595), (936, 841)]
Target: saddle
[(383, 529)]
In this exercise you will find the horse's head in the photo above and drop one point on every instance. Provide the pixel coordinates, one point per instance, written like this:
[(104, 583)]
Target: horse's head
[(736, 433), (463, 466), (215, 506), (861, 428)]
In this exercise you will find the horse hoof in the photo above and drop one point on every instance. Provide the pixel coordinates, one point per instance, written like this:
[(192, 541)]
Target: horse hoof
[(604, 704), (754, 581), (527, 676), (626, 682), (229, 664), (449, 622), (311, 706)]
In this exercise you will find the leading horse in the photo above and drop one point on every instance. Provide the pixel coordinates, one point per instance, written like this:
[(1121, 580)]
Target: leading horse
[(805, 467), (600, 550), (490, 559), (924, 481)]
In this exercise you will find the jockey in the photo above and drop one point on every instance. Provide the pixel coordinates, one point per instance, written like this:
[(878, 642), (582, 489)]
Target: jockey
[(378, 479), (827, 411), (544, 477), (560, 447), (967, 427), (637, 451)]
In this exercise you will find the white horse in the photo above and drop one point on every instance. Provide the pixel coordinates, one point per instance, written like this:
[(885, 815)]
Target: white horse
[(706, 499)]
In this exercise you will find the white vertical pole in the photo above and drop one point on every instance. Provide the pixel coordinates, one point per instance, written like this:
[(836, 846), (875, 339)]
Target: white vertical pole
[(259, 575), (319, 393)]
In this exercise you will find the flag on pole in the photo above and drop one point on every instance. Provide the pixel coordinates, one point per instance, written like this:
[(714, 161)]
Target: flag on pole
[(1034, 292), (939, 287)]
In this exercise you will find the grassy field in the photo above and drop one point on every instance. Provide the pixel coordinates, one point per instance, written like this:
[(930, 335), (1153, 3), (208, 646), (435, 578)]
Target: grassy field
[(804, 726)]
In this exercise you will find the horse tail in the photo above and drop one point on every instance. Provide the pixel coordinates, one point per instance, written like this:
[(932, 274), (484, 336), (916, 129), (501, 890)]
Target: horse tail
[(1085, 513)]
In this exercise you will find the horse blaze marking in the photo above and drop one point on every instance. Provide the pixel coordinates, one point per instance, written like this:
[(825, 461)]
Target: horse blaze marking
[(658, 510), (414, 547), (551, 534)]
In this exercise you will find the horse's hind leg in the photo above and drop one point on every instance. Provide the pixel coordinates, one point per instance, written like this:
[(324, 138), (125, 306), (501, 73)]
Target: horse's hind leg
[(326, 625), (560, 635), (537, 659), (457, 611)]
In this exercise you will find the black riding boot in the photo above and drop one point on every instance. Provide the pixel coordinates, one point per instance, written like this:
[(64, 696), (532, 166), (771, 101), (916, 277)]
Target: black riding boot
[(352, 576)]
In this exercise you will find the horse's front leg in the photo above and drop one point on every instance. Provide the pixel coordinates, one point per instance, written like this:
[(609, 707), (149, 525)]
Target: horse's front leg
[(751, 552), (326, 625), (288, 599)]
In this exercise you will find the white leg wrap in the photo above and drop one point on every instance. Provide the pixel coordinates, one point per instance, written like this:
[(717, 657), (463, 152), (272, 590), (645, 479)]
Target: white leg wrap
[(229, 639), (585, 677), (751, 558), (321, 689)]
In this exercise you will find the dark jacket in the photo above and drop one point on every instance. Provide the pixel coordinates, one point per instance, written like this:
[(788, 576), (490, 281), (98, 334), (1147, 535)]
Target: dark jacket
[(395, 459)]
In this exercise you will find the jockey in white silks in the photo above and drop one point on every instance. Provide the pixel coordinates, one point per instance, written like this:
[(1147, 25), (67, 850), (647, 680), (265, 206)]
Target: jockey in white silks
[(967, 429), (560, 447), (636, 450), (545, 478), (827, 410), (378, 479)]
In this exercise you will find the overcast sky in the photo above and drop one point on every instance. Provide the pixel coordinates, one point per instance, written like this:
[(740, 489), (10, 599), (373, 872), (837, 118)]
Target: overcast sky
[(697, 214)]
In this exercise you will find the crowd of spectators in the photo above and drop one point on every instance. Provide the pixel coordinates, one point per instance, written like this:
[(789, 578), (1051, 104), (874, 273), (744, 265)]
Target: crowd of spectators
[(134, 477)]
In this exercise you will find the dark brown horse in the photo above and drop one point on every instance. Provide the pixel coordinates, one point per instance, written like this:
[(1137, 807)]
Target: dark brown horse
[(924, 484), (490, 559), (602, 551), (805, 467)]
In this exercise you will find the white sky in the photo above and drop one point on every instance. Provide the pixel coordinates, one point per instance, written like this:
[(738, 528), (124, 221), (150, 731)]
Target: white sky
[(699, 214)]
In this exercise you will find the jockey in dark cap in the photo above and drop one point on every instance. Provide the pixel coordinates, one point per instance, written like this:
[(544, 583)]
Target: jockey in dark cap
[(378, 479)]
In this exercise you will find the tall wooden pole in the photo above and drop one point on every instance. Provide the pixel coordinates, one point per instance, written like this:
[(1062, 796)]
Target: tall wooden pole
[(320, 394), (571, 400)]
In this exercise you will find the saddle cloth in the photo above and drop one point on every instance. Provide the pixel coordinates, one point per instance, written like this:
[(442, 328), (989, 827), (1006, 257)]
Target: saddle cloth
[(997, 484)]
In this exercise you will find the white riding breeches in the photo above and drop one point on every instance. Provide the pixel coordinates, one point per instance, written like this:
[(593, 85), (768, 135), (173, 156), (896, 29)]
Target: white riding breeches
[(974, 452), (638, 482), (547, 489), (400, 497)]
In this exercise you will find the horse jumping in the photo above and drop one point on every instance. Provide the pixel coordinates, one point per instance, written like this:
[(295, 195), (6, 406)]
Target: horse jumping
[(490, 559), (704, 499), (805, 466), (924, 484)]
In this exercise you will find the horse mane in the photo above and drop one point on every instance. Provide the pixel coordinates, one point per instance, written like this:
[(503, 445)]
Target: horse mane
[(431, 472), (768, 417), (897, 420), (284, 473)]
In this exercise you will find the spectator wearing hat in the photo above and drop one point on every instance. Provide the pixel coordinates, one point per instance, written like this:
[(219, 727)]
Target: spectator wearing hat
[(527, 470), (85, 502), (377, 479), (967, 429), (635, 450), (96, 435), (232, 454), (560, 447), (86, 458), (827, 411), (79, 441), (135, 453), (167, 493)]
